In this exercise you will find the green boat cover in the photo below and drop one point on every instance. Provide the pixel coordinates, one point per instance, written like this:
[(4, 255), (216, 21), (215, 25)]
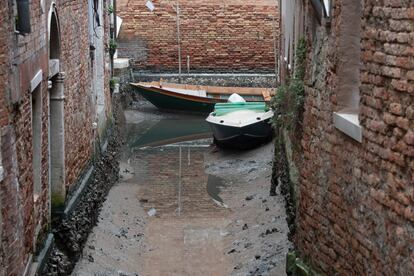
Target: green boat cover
[(221, 109)]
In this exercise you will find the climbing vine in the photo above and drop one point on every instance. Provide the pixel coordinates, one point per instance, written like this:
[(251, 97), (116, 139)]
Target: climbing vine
[(289, 99), (110, 9), (112, 46), (288, 106)]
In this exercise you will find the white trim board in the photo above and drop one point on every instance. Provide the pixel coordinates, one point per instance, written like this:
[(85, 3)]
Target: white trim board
[(37, 79), (348, 123)]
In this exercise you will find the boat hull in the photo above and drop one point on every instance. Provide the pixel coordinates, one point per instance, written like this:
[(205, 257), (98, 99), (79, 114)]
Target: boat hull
[(247, 136), (175, 101)]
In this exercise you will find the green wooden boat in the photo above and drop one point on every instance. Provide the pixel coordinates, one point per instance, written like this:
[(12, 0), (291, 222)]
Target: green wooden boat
[(195, 98)]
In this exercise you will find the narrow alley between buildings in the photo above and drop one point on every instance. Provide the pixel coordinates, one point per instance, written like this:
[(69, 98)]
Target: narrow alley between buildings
[(195, 137)]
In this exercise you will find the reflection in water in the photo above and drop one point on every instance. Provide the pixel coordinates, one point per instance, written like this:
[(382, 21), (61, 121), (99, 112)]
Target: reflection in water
[(166, 159), (214, 185), (169, 131)]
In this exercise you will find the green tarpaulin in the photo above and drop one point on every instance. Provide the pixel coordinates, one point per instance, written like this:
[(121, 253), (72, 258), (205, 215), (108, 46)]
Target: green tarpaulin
[(221, 109)]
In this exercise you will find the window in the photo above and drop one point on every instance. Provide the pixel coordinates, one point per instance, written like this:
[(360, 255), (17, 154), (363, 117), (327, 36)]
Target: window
[(37, 134), (21, 9), (349, 53), (327, 7)]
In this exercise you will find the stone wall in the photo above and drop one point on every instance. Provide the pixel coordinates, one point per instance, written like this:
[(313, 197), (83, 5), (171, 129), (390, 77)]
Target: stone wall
[(355, 214), (216, 35)]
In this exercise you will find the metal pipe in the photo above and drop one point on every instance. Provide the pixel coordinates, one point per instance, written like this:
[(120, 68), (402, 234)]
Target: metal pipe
[(179, 40), (275, 48)]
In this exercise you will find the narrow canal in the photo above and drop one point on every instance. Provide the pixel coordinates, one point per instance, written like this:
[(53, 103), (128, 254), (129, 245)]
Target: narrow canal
[(184, 207)]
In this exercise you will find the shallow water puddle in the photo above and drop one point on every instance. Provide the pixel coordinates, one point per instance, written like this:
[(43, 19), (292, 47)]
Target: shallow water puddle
[(166, 158), (214, 185), (167, 131)]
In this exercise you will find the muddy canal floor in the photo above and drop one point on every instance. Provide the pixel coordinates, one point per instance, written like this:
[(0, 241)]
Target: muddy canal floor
[(186, 207)]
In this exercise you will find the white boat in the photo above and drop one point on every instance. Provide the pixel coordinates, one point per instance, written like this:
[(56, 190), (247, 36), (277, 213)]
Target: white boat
[(238, 123)]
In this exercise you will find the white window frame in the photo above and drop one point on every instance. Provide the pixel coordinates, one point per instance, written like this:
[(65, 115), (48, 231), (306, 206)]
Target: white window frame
[(327, 6)]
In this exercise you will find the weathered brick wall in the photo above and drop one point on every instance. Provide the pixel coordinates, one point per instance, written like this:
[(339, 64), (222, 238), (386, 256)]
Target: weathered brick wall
[(230, 36), (73, 19), (24, 221), (356, 214), (24, 57), (5, 180)]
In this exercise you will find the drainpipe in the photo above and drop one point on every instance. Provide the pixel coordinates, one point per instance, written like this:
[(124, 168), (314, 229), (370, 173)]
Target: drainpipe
[(275, 50)]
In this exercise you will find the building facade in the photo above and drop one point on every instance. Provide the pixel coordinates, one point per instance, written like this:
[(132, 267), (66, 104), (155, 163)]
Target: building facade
[(355, 211), (215, 35), (50, 105)]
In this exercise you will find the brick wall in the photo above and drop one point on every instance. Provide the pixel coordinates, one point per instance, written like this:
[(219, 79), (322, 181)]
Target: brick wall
[(22, 217), (355, 214), (24, 221), (230, 36), (73, 19)]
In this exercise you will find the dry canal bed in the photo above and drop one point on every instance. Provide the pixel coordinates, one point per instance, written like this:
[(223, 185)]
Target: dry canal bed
[(185, 207)]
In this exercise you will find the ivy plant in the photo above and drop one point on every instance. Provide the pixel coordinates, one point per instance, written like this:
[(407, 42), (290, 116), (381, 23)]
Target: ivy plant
[(289, 98), (112, 46), (110, 9)]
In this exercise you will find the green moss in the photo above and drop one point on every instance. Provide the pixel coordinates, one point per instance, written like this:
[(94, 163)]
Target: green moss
[(58, 201), (301, 268), (290, 261), (296, 266)]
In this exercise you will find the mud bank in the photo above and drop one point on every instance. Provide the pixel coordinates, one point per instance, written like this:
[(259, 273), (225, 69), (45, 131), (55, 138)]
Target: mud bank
[(257, 234), (188, 209), (71, 232)]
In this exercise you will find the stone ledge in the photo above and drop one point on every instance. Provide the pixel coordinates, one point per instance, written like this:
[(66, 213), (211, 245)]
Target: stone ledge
[(37, 79), (40, 260), (54, 67), (121, 63), (76, 196), (348, 123)]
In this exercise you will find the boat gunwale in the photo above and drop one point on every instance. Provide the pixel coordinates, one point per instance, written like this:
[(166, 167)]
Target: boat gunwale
[(216, 120), (216, 90), (181, 96)]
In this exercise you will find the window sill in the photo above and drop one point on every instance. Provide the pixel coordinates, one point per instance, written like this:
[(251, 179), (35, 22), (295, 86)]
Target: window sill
[(348, 123)]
